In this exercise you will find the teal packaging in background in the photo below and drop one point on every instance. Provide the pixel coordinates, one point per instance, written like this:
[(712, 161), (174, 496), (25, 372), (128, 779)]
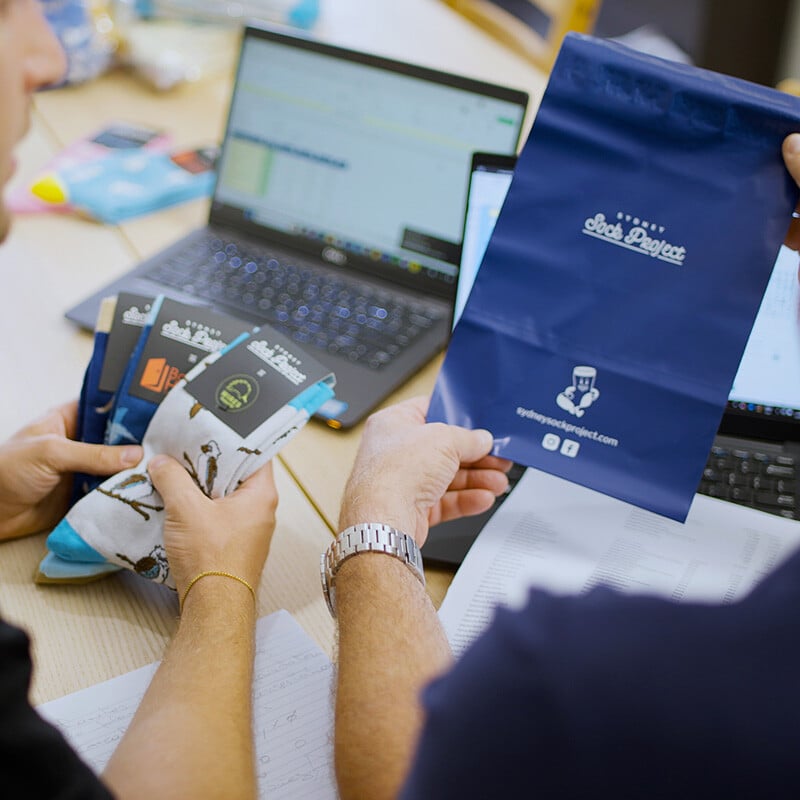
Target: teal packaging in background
[(127, 184), (116, 136), (299, 13)]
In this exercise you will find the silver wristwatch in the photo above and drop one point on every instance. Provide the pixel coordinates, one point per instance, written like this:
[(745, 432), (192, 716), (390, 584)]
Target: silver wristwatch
[(366, 537)]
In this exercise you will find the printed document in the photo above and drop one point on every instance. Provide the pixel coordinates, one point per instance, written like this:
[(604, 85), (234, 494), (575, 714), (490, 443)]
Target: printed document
[(555, 535), (292, 709)]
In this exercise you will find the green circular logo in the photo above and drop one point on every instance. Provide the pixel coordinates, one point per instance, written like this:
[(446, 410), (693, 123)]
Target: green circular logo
[(237, 393)]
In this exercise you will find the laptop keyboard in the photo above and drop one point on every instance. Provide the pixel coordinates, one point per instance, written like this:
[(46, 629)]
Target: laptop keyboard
[(762, 480), (338, 315)]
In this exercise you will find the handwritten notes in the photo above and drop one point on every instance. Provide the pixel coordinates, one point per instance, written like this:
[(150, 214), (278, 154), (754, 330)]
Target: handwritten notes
[(293, 713), (292, 705)]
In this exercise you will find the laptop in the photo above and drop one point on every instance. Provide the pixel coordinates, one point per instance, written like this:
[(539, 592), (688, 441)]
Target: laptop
[(338, 208), (755, 459)]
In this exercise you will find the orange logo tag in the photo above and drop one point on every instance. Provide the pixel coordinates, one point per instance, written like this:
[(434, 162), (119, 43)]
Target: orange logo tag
[(158, 376)]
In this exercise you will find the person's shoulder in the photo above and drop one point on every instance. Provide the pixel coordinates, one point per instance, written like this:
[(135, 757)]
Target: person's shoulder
[(15, 663), (13, 640)]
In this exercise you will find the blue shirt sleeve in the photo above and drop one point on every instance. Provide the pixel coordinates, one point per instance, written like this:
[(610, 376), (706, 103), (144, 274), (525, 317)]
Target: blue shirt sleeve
[(630, 696)]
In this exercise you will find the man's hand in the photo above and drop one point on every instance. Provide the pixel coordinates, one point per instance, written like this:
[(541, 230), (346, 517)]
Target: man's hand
[(409, 474), (36, 467), (231, 534), (791, 155), (412, 474)]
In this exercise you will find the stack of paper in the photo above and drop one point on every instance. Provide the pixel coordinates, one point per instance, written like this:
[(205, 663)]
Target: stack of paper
[(292, 710)]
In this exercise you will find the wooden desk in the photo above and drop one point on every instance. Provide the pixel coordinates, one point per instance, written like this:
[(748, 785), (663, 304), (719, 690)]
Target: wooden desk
[(52, 262), (85, 634)]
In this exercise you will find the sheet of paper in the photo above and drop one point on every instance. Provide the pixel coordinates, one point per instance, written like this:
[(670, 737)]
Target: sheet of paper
[(558, 536), (293, 713)]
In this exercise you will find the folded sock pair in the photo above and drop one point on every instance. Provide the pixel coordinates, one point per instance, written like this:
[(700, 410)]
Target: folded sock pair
[(104, 417), (121, 521)]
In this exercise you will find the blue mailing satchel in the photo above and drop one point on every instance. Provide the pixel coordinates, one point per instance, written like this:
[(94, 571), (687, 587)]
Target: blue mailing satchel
[(617, 293)]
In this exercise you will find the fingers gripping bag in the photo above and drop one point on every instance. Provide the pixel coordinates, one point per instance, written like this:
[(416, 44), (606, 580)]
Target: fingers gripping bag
[(606, 323)]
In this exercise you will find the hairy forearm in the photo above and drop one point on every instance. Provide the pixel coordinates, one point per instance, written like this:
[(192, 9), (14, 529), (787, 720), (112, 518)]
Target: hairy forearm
[(390, 645), (192, 734)]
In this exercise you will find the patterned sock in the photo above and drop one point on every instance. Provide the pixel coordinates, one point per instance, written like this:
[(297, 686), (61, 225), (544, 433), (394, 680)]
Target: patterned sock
[(121, 521)]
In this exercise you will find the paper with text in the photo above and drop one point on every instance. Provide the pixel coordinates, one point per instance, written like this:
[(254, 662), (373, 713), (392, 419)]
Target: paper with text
[(292, 707), (556, 535)]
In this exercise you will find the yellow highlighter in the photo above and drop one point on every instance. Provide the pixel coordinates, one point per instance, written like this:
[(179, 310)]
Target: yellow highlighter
[(51, 189)]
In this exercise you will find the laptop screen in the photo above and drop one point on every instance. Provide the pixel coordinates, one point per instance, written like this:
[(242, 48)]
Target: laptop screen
[(766, 391), (357, 157), (490, 177), (764, 402)]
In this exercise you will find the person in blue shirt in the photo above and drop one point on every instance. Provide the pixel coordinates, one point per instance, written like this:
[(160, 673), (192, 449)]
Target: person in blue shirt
[(599, 695)]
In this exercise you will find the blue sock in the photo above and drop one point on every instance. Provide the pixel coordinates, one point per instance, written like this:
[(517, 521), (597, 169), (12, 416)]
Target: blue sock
[(93, 409), (130, 415), (53, 569)]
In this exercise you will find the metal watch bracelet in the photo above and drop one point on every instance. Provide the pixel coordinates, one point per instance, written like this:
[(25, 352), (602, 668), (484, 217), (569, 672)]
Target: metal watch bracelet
[(366, 537)]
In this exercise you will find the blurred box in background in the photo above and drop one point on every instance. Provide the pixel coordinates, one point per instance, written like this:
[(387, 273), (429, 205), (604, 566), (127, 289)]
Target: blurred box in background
[(86, 32), (533, 28), (751, 39)]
